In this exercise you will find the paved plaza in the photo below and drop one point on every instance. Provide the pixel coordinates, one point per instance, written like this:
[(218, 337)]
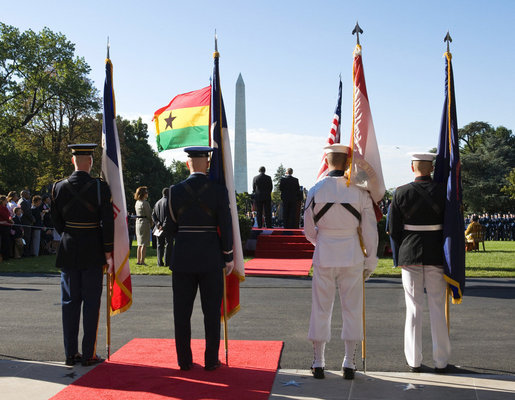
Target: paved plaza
[(482, 335)]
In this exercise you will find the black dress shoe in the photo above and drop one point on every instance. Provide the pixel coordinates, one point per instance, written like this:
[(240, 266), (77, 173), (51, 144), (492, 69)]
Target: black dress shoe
[(212, 367), (443, 370), (414, 369), (318, 372), (92, 361), (73, 359), (186, 367), (348, 373)]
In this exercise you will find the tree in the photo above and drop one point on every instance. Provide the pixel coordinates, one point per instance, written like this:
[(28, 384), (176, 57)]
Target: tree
[(179, 171), (509, 188), (45, 93), (471, 136), (276, 193), (281, 171), (142, 166), (243, 203), (486, 157)]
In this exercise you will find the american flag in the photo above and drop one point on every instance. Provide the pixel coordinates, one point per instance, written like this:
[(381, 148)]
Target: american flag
[(334, 134)]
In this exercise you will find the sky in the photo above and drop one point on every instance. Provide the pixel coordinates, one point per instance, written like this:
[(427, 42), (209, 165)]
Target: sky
[(290, 55)]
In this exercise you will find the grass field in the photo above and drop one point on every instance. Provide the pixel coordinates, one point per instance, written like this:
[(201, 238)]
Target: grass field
[(497, 261)]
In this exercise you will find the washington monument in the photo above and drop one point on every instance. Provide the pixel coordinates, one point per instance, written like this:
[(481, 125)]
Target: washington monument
[(240, 139)]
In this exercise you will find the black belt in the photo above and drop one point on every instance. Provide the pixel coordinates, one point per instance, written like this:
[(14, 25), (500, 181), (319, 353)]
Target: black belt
[(197, 229), (141, 216)]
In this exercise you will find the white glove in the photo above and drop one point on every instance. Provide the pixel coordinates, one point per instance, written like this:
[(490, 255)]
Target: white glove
[(229, 266), (367, 273), (110, 264)]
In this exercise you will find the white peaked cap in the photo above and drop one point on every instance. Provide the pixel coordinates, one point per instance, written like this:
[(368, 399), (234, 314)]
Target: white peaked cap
[(422, 156), (336, 148)]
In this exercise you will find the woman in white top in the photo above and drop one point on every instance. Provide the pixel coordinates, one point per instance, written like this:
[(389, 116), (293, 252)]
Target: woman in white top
[(143, 222)]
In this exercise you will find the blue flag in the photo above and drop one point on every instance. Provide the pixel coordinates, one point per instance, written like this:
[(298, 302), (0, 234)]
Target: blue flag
[(448, 171)]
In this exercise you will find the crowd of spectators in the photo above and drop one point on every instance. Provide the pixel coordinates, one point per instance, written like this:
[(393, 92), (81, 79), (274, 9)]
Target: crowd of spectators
[(498, 226), (26, 228)]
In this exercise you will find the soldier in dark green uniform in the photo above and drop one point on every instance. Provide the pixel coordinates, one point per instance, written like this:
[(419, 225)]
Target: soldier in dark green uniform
[(82, 213)]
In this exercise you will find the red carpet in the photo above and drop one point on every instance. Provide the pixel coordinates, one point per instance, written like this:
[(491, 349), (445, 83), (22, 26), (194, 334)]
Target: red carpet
[(275, 266), (147, 369), (284, 252)]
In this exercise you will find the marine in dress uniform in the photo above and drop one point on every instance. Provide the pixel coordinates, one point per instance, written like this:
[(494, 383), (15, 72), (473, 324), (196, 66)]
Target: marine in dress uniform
[(201, 224), (335, 217), (82, 213), (290, 196), (415, 226)]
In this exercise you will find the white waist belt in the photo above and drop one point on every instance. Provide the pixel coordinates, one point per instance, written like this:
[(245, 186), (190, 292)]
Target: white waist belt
[(423, 228), (342, 233)]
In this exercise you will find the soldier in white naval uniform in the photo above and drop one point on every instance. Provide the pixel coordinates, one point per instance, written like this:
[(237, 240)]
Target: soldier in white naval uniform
[(333, 216)]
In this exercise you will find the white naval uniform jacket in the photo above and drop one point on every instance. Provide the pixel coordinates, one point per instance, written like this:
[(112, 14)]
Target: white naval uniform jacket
[(335, 235)]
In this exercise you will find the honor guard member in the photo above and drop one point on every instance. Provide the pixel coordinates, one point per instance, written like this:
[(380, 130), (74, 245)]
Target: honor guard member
[(202, 226), (415, 226), (340, 221), (82, 213)]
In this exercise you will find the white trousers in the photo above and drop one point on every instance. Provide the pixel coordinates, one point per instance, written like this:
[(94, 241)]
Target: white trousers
[(414, 279), (349, 281)]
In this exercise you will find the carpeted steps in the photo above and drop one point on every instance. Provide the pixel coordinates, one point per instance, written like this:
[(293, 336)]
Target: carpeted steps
[(280, 252)]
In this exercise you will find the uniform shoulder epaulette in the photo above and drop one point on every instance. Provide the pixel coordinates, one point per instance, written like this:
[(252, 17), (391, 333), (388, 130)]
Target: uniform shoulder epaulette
[(55, 185)]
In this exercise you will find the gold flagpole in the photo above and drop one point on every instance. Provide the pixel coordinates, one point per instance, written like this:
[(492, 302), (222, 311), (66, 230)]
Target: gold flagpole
[(226, 339), (447, 309), (364, 341), (108, 314)]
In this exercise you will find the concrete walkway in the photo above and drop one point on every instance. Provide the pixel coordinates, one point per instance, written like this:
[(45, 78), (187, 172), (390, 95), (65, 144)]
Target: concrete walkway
[(32, 380)]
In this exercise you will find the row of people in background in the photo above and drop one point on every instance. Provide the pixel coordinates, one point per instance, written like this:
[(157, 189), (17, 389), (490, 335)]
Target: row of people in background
[(26, 228), (291, 200), (498, 226)]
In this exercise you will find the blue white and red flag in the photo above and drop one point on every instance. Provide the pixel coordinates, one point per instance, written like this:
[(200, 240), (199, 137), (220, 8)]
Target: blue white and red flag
[(121, 297)]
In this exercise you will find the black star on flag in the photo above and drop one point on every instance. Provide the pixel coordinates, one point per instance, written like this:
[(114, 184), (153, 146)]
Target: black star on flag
[(169, 121)]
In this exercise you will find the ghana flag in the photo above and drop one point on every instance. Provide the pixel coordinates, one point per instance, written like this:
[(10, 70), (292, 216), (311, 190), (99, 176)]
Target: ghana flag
[(184, 121)]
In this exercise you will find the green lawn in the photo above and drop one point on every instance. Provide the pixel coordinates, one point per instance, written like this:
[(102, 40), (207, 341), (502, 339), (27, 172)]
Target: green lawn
[(497, 261)]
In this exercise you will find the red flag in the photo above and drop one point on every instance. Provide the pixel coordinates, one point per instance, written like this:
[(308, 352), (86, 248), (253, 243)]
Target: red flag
[(334, 134), (365, 164)]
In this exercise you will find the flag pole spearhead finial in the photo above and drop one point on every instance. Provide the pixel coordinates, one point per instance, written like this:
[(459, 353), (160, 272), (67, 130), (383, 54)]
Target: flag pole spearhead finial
[(357, 30), (447, 39), (108, 45), (216, 54)]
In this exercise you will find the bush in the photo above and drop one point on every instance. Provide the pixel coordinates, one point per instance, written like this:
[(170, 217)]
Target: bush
[(245, 227)]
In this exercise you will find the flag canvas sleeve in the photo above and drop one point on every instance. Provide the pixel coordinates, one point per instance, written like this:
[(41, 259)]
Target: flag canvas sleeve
[(121, 298)]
